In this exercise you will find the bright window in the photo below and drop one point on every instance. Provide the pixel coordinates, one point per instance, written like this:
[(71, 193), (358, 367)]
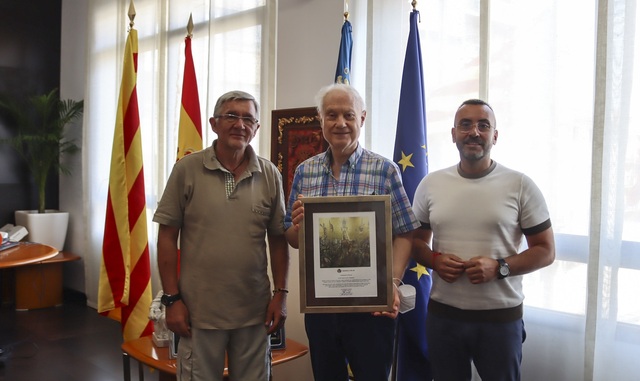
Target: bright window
[(563, 91)]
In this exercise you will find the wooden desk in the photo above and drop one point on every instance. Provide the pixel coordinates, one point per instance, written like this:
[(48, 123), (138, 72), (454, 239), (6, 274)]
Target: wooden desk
[(39, 284), (145, 352), (26, 253), (33, 275)]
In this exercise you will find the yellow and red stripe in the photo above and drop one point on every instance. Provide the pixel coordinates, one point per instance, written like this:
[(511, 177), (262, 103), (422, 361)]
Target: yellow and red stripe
[(125, 272)]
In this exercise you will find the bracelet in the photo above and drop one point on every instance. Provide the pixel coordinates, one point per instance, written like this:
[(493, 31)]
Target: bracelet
[(284, 290)]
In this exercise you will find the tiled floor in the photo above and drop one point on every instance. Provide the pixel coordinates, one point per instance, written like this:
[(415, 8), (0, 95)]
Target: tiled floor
[(67, 343)]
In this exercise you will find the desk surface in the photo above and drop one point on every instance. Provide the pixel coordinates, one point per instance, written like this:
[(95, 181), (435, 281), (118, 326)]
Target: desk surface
[(143, 350), (26, 253)]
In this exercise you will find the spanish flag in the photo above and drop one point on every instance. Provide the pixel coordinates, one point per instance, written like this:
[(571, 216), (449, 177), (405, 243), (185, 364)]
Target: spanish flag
[(125, 273), (190, 129)]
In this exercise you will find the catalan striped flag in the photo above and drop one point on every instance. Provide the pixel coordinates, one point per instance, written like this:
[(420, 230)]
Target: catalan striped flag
[(190, 127), (343, 68), (125, 273), (410, 154)]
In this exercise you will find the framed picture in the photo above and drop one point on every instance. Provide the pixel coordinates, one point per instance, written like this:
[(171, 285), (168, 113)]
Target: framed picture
[(296, 135), (345, 248)]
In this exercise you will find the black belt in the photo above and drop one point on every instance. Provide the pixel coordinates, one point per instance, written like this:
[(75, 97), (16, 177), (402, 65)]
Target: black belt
[(502, 315)]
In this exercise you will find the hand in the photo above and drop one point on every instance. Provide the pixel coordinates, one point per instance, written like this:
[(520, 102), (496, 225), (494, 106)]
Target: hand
[(297, 212), (177, 316), (448, 266), (396, 306), (276, 312), (481, 269)]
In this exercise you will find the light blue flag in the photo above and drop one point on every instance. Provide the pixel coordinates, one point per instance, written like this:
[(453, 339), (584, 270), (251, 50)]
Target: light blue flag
[(343, 69), (410, 154)]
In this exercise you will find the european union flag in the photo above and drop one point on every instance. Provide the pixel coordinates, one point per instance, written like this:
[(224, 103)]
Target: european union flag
[(410, 154), (343, 70)]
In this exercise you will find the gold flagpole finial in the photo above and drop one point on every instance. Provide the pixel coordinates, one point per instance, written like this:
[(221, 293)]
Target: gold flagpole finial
[(346, 10), (413, 4), (190, 26), (132, 13)]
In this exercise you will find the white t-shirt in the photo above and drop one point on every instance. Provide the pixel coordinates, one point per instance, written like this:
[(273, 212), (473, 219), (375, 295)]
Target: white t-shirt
[(484, 216)]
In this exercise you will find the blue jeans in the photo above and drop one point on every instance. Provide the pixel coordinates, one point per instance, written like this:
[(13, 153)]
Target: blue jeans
[(363, 341), (494, 348)]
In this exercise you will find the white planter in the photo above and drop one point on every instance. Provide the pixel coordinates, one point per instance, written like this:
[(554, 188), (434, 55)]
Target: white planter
[(49, 228)]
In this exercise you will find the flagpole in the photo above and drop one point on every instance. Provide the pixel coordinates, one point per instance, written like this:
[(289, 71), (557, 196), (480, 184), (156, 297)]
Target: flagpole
[(125, 272), (131, 14), (190, 121), (396, 344), (410, 153), (343, 68), (190, 26), (346, 10)]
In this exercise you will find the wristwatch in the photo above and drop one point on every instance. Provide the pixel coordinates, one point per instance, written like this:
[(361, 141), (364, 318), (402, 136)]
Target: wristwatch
[(167, 300), (503, 270)]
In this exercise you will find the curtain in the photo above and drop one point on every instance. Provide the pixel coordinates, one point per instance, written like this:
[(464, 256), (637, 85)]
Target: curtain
[(232, 49), (561, 77)]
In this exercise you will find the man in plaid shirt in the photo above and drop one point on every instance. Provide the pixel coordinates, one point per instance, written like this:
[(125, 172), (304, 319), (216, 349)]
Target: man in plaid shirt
[(362, 340)]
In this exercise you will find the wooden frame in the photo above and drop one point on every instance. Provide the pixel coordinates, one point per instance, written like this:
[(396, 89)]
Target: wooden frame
[(296, 135), (346, 254)]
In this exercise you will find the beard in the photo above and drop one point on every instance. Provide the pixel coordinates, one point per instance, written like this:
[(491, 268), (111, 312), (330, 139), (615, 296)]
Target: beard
[(475, 152)]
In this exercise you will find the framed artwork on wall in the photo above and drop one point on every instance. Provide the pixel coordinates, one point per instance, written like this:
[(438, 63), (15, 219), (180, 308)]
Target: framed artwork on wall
[(295, 136)]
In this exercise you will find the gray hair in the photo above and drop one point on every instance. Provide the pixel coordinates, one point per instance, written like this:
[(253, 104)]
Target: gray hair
[(359, 102), (236, 95)]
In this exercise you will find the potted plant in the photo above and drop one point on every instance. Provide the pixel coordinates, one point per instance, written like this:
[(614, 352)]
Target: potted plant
[(39, 124)]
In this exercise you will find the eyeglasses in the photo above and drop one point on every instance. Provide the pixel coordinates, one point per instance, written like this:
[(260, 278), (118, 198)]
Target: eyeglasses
[(233, 118), (466, 126)]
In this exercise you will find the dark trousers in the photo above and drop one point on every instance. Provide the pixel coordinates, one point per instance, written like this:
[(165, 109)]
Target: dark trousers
[(494, 348), (363, 341)]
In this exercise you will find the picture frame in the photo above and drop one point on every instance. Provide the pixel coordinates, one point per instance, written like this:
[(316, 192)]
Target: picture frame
[(296, 135), (346, 259)]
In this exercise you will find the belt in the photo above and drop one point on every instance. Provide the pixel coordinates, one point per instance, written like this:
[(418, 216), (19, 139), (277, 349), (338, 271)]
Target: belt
[(501, 315)]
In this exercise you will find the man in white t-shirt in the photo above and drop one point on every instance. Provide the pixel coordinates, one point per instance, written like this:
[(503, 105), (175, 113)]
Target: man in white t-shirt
[(474, 216)]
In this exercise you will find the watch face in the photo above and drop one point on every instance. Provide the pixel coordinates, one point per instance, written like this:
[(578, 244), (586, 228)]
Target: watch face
[(168, 300), (504, 270)]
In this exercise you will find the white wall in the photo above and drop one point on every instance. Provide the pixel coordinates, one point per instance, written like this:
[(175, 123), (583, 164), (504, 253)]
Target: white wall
[(72, 78), (308, 42)]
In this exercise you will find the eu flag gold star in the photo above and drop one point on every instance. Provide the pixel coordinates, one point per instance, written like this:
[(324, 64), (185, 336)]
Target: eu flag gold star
[(420, 270), (405, 161)]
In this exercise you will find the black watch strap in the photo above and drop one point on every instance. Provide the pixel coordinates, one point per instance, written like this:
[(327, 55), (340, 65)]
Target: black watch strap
[(167, 300)]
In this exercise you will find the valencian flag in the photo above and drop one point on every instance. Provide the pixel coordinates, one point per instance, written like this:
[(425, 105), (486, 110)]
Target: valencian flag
[(190, 127), (410, 154), (343, 69), (125, 273)]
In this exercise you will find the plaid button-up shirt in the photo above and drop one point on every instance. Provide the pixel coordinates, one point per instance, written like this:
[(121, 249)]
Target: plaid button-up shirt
[(364, 173)]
